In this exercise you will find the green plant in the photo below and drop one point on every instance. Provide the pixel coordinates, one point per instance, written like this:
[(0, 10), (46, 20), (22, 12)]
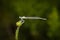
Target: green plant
[(19, 23)]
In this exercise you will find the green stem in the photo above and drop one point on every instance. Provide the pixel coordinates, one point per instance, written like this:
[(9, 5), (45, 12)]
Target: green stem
[(19, 23), (16, 33)]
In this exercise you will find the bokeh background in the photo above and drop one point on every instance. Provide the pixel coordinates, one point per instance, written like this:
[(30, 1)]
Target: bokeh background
[(10, 10)]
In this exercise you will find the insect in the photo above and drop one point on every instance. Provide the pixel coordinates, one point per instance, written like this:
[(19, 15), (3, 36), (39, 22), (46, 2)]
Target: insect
[(20, 22)]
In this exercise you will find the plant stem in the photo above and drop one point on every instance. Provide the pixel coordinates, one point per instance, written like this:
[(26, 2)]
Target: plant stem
[(19, 24), (17, 32)]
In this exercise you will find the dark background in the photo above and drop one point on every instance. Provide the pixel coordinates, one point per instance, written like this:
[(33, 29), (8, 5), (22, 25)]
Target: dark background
[(10, 10)]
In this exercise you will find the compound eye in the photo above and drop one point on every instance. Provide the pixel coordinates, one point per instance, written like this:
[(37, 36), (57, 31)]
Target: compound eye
[(23, 17)]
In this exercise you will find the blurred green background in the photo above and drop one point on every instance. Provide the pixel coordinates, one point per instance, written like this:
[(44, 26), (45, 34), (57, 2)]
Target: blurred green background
[(10, 10)]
